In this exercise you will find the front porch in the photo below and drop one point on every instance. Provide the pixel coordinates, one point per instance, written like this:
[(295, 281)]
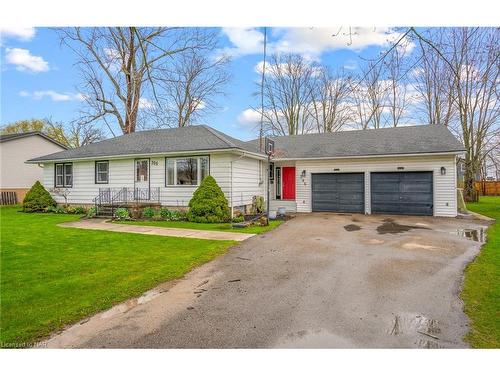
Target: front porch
[(288, 205), (283, 180), (135, 199)]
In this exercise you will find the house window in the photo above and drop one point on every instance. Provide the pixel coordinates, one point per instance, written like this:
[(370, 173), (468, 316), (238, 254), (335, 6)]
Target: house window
[(63, 175), (141, 170), (278, 182), (102, 172), (170, 171), (188, 171)]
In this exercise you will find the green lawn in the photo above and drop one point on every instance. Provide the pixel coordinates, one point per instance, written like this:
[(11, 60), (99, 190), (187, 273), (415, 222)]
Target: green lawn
[(225, 227), (52, 276), (481, 293)]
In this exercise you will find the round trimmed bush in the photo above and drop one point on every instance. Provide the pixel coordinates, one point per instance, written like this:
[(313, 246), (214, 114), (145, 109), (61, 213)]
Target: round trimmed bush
[(208, 205), (37, 199), (122, 213), (148, 212)]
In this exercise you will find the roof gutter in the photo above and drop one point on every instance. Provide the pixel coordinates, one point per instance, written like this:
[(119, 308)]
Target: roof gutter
[(130, 156), (461, 152)]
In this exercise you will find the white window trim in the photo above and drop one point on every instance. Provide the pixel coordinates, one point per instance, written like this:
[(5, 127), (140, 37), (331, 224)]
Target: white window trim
[(64, 185), (198, 169), (97, 181)]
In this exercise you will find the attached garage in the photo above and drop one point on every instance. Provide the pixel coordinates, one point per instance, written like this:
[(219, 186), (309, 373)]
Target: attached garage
[(404, 193), (408, 170), (338, 192)]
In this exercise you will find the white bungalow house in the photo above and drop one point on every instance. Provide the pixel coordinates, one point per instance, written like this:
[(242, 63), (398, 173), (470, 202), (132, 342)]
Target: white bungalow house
[(407, 170)]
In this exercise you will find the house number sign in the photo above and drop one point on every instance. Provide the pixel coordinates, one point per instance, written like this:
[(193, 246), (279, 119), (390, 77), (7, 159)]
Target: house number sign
[(154, 162)]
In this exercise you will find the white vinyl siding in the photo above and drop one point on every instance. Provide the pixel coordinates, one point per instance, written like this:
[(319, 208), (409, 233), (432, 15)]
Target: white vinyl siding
[(122, 174), (84, 189), (444, 185), (248, 180)]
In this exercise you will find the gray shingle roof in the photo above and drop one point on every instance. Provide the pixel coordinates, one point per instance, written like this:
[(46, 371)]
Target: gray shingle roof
[(10, 137), (385, 141), (191, 138)]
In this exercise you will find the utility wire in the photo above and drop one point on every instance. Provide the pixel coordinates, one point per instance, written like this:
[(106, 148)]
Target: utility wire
[(382, 57), (261, 133)]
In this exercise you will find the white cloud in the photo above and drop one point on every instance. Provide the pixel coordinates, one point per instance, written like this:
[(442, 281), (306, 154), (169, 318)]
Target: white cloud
[(246, 41), (284, 68), (249, 117), (21, 33), (145, 103), (25, 61), (313, 42), (350, 65), (52, 95), (81, 97), (309, 42)]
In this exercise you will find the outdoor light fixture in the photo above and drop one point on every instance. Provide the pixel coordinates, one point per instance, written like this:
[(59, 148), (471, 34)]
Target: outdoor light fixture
[(303, 174), (401, 168), (443, 171)]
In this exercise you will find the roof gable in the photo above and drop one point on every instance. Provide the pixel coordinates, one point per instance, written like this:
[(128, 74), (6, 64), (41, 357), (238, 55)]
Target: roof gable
[(11, 137)]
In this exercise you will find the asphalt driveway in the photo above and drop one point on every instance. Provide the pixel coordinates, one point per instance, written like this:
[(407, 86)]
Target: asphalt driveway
[(319, 280)]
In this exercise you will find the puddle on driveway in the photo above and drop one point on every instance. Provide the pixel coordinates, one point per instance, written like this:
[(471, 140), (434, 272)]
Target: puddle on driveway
[(419, 326), (352, 227), (478, 235), (313, 340), (391, 227)]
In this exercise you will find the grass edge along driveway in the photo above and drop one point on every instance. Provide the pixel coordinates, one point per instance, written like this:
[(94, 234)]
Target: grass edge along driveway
[(481, 290), (53, 276), (222, 227)]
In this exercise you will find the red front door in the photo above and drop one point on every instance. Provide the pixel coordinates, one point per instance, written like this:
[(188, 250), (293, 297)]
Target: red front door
[(288, 182)]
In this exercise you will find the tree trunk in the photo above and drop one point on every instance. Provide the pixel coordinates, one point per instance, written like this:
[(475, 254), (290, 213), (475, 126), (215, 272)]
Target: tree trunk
[(470, 194)]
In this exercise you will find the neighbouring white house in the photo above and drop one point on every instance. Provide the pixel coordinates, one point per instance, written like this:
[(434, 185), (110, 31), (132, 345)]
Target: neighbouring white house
[(17, 176), (406, 170)]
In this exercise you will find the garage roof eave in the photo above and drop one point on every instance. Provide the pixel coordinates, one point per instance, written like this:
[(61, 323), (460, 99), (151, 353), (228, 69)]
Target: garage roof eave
[(457, 152)]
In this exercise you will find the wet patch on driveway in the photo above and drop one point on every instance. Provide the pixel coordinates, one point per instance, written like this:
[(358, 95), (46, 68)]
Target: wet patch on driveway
[(478, 235), (389, 226), (352, 227)]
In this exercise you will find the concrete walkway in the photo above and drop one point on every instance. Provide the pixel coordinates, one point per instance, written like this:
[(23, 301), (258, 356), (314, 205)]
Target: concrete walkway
[(102, 224)]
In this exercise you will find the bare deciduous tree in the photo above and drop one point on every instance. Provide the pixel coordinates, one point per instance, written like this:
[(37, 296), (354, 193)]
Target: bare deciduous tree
[(470, 59), (398, 97), (72, 135), (329, 108), (433, 82), (368, 96), (191, 84), (119, 67), (288, 86), (475, 58), (76, 134)]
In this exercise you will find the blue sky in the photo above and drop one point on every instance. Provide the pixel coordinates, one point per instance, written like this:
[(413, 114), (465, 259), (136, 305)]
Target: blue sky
[(39, 79)]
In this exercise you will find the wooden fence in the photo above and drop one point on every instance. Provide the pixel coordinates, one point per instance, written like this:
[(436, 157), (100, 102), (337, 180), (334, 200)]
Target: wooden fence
[(488, 187), (8, 198)]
